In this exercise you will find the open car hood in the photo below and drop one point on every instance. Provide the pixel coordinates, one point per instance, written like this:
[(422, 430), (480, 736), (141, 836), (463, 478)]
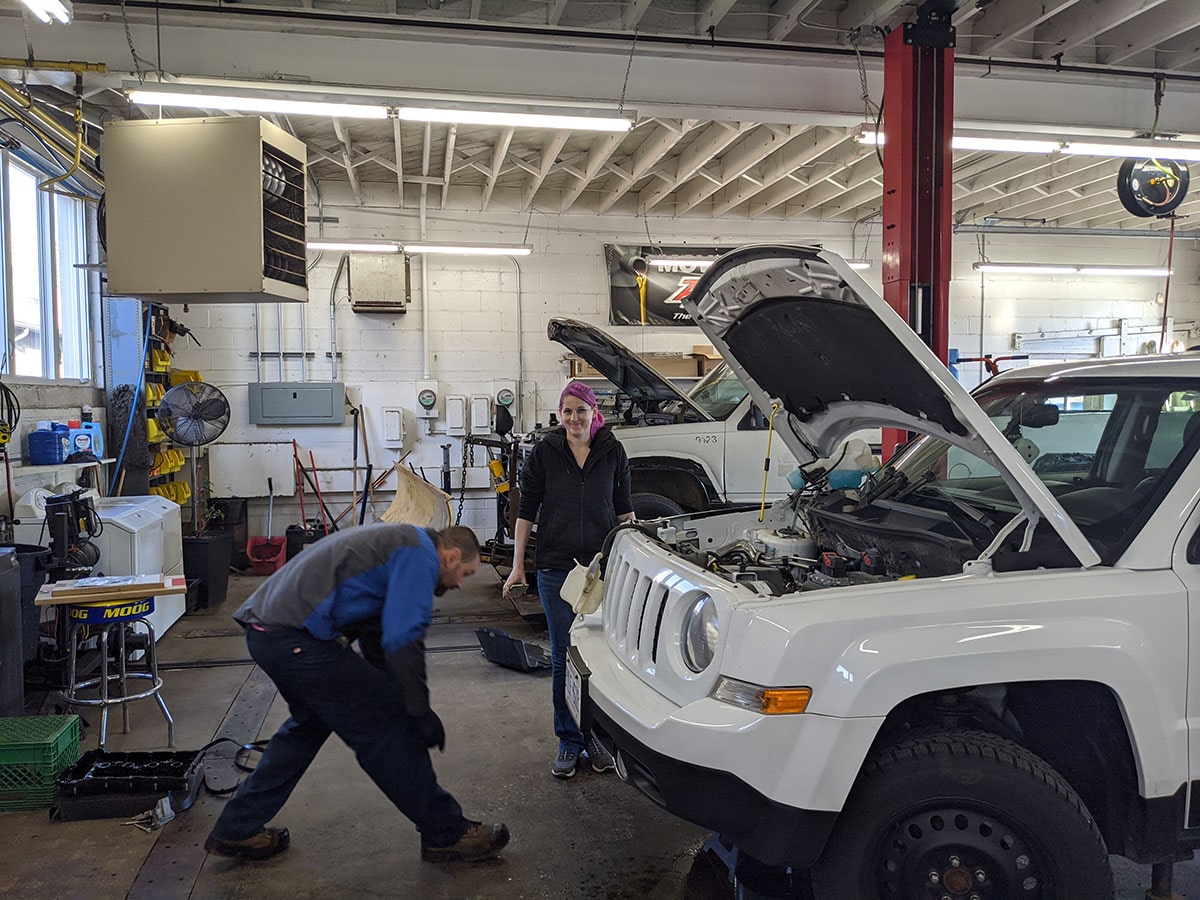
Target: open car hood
[(630, 375), (806, 333)]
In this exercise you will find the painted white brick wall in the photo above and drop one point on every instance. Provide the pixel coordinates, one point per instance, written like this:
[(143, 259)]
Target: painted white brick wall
[(473, 318)]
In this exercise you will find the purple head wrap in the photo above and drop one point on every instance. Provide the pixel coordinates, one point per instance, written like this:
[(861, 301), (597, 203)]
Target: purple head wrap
[(588, 396)]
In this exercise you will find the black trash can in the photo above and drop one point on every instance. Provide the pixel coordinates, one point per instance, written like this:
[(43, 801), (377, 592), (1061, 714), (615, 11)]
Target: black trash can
[(299, 537), (12, 653), (232, 518), (206, 558), (32, 560)]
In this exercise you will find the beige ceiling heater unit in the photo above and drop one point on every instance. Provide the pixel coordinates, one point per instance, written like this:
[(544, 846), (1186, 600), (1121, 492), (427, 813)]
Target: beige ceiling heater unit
[(205, 211)]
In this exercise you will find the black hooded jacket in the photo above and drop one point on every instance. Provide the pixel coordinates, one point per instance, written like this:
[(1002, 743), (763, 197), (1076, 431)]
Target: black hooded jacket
[(579, 507)]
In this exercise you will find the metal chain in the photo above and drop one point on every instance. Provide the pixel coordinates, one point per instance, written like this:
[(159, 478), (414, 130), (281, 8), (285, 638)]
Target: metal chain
[(468, 452), (132, 52), (628, 66)]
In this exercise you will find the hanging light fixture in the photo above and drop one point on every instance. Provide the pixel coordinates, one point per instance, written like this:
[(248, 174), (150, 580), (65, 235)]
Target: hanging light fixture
[(46, 10), (1029, 268), (466, 249)]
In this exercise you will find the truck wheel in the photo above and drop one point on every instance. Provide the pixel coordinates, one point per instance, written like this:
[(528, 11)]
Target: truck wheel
[(962, 814), (655, 506)]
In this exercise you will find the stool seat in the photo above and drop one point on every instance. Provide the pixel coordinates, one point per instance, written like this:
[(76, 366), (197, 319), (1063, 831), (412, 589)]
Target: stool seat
[(104, 616)]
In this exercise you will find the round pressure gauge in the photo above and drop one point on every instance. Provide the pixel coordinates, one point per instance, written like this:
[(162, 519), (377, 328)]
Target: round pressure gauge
[(505, 397), (427, 398)]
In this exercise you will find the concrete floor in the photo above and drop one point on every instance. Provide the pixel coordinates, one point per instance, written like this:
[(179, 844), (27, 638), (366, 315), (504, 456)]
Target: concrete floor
[(589, 837)]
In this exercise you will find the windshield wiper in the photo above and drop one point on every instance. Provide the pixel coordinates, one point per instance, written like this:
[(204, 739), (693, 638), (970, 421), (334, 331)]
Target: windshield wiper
[(972, 512), (889, 483)]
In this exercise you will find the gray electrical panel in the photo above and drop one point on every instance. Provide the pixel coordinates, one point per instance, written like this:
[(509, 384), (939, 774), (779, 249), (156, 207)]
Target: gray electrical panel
[(298, 403)]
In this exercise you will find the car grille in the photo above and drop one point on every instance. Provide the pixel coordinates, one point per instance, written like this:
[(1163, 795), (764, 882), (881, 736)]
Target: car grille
[(634, 620), (646, 592)]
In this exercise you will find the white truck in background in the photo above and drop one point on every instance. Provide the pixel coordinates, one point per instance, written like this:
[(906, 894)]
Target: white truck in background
[(689, 451), (974, 675)]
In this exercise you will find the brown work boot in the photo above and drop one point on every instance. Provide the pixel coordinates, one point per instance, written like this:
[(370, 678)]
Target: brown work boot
[(479, 842), (263, 845)]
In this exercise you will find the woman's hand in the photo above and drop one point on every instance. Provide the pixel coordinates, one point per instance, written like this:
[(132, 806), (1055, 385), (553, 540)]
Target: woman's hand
[(516, 576)]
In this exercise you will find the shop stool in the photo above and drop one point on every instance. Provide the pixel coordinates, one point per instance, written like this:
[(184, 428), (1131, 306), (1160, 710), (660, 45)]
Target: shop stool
[(106, 615)]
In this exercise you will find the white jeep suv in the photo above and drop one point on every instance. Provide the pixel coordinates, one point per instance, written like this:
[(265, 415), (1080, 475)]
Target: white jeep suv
[(972, 675)]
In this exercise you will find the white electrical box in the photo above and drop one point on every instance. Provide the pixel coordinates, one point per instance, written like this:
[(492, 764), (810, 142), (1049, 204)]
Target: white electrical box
[(427, 399), (481, 415), (205, 210), (456, 414), (393, 426)]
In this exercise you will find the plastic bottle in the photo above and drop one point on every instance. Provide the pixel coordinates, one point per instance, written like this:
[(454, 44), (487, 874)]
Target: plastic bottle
[(51, 446)]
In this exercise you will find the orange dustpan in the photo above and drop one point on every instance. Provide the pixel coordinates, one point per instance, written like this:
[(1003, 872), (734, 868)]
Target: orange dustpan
[(267, 554)]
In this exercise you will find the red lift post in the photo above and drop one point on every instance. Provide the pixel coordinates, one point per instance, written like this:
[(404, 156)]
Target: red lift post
[(918, 121)]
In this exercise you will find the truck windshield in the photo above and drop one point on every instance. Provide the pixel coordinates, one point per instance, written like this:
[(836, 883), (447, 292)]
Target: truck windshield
[(719, 392), (1108, 450)]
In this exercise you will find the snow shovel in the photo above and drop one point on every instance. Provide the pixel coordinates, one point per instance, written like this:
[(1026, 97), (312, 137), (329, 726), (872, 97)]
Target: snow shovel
[(267, 553)]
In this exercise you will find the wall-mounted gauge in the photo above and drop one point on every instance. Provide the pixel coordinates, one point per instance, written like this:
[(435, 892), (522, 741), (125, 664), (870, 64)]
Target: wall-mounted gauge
[(427, 399), (1152, 187), (506, 397)]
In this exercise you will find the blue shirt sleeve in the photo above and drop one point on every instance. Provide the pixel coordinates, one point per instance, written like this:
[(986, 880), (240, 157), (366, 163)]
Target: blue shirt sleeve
[(408, 607)]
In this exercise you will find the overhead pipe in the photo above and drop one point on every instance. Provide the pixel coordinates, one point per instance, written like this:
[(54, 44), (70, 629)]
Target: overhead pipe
[(65, 137), (425, 259), (337, 276)]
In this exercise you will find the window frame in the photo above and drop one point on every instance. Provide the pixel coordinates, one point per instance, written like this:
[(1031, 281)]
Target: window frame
[(50, 281)]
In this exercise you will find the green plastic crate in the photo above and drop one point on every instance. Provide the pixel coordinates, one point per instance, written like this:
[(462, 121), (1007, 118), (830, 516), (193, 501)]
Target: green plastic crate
[(34, 751)]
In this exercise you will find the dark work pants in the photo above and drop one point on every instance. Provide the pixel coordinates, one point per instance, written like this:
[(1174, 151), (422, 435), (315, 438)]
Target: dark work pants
[(559, 618), (331, 689)]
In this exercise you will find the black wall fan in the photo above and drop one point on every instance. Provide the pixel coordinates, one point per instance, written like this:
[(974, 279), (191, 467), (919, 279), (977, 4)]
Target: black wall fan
[(193, 413)]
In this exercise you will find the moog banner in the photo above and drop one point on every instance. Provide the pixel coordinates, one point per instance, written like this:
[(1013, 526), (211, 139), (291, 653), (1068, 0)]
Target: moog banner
[(645, 288)]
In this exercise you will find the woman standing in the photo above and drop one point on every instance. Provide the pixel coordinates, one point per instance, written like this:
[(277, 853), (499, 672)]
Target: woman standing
[(577, 476)]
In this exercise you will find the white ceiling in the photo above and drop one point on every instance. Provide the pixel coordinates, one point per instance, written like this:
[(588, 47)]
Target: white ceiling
[(747, 109)]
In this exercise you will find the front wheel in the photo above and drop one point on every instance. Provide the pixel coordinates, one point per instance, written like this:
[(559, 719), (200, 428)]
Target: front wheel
[(962, 814), (655, 506)]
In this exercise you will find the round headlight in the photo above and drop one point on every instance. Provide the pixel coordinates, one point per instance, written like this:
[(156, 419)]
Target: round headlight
[(700, 633)]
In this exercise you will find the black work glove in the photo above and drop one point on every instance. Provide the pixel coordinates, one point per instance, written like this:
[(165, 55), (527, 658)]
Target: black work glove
[(407, 668), (429, 728)]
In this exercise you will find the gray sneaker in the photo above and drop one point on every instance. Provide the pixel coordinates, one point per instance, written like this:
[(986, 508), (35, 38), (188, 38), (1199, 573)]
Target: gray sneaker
[(564, 763), (600, 758)]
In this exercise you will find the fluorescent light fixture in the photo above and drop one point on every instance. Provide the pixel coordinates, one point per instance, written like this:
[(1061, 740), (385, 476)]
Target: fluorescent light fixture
[(329, 102), (977, 142), (691, 262), (1056, 269), (499, 117), (46, 9), (859, 264), (217, 98), (1003, 145), (1143, 149), (355, 246), (457, 249)]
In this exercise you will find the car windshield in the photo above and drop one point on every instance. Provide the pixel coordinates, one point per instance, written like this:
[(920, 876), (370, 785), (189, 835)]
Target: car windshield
[(718, 393), (1108, 450)]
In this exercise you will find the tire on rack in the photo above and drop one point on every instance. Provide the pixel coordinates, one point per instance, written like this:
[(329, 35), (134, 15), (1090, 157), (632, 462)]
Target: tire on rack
[(930, 815), (655, 506)]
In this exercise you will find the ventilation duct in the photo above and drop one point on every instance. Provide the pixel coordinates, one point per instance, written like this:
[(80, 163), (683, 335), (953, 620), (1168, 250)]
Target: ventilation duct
[(205, 211)]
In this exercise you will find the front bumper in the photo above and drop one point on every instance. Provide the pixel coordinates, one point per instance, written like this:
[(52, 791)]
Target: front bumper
[(769, 831)]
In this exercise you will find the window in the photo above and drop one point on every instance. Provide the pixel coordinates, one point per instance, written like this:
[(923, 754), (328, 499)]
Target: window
[(47, 317), (1108, 450)]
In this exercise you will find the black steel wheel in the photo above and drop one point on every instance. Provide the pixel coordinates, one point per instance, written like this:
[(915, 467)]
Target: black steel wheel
[(962, 815)]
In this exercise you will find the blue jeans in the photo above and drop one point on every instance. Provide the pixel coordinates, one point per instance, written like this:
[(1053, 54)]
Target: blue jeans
[(559, 617), (331, 689)]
